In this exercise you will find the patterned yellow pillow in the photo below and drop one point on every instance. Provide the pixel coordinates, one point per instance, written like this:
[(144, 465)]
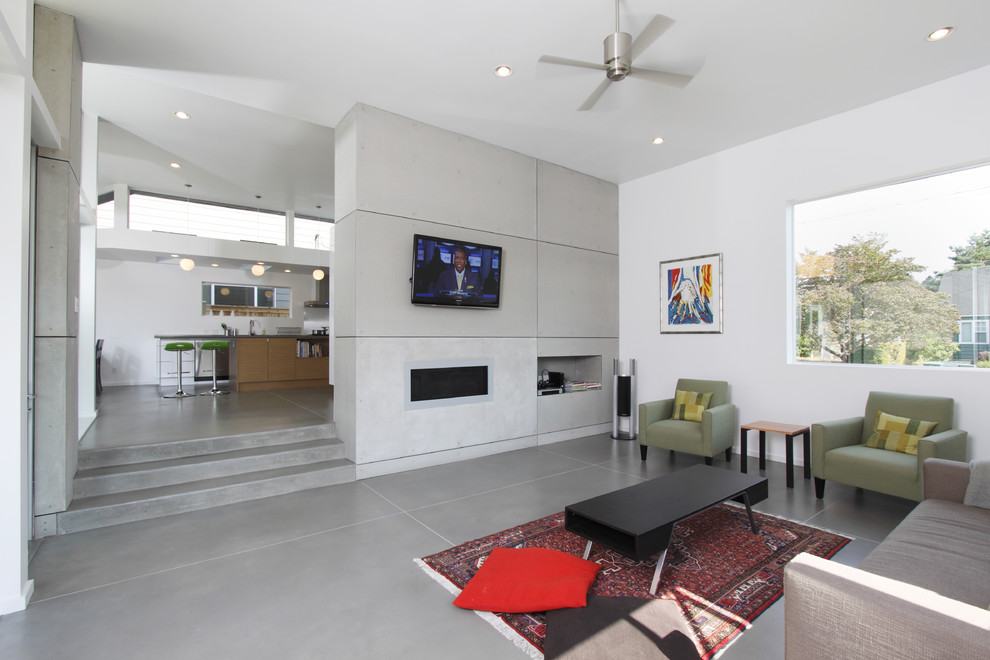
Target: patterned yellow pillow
[(689, 405), (899, 433)]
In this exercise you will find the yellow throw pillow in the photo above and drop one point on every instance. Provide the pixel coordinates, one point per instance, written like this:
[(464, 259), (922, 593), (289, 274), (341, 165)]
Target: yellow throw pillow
[(689, 405), (899, 433)]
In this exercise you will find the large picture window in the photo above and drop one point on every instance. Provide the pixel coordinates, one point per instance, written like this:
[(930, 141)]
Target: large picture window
[(898, 274)]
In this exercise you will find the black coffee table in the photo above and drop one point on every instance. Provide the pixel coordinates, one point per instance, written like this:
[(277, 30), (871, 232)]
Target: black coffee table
[(638, 521)]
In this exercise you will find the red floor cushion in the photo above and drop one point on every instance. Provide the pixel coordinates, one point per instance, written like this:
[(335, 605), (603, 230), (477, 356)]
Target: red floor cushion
[(514, 580)]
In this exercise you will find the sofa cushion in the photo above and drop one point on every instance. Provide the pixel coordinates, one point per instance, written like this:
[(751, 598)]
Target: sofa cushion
[(941, 546), (862, 464), (895, 433), (690, 405)]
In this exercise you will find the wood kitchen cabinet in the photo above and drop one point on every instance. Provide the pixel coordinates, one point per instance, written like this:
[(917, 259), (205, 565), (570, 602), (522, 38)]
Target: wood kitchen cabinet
[(267, 363)]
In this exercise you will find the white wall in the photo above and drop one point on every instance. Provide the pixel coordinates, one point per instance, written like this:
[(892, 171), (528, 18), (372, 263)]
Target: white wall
[(15, 133), (136, 301), (736, 202)]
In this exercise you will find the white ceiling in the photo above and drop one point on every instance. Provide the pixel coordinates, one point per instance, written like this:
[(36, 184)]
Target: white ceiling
[(266, 82)]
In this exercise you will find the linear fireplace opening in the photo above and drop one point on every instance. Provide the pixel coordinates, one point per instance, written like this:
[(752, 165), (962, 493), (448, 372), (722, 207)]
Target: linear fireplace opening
[(448, 382)]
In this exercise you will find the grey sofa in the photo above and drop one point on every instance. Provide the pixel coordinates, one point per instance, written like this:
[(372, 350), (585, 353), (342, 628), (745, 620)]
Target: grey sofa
[(922, 593)]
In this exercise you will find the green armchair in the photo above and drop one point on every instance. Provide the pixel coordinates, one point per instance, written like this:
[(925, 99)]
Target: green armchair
[(839, 452), (714, 433)]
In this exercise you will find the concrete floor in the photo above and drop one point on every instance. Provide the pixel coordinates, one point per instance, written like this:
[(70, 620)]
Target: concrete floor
[(329, 573)]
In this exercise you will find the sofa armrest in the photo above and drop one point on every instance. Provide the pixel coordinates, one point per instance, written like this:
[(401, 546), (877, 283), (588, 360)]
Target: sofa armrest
[(718, 427), (836, 611), (654, 411), (949, 444), (826, 436), (945, 480)]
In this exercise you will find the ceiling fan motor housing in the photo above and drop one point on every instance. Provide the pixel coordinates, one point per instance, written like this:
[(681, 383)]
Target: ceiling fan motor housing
[(616, 55)]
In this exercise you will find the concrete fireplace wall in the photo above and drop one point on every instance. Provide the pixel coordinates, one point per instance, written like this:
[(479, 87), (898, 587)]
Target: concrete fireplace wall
[(396, 177)]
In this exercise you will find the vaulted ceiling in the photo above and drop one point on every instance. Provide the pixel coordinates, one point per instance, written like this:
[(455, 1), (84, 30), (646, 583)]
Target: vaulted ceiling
[(266, 82)]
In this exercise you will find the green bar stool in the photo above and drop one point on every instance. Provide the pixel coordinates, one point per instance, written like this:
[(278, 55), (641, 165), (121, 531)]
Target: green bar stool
[(215, 346), (178, 347)]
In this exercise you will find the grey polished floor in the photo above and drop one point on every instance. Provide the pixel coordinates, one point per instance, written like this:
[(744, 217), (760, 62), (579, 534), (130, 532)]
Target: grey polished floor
[(139, 415), (329, 573)]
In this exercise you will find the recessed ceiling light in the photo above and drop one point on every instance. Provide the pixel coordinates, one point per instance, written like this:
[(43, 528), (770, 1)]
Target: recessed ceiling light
[(940, 34), (288, 270), (215, 265), (182, 115), (657, 140), (175, 165), (174, 256), (503, 71)]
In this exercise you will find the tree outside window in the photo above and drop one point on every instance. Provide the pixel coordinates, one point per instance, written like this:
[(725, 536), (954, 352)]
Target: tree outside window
[(896, 275)]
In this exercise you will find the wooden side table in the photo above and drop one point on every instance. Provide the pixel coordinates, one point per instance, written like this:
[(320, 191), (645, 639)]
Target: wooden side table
[(789, 431)]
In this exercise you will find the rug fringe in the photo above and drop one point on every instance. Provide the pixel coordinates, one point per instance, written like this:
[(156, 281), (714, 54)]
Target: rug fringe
[(501, 626)]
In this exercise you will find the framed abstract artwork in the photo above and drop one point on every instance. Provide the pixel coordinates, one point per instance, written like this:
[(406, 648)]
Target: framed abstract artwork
[(691, 295)]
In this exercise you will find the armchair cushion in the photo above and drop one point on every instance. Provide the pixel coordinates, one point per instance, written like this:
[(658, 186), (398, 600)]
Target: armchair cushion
[(899, 433), (690, 405)]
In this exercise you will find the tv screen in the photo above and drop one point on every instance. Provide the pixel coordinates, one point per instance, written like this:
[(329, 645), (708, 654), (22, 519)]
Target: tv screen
[(457, 273)]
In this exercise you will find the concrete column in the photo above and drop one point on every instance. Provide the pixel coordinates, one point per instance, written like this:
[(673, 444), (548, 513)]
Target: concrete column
[(121, 206), (58, 73)]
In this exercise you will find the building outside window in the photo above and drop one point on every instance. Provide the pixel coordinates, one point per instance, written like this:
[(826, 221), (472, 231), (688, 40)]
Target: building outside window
[(895, 275)]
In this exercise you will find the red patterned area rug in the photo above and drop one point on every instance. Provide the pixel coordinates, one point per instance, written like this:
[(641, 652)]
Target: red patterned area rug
[(721, 574)]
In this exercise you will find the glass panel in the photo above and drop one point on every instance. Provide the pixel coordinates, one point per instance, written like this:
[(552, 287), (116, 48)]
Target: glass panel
[(884, 276), (313, 234), (178, 216), (104, 215), (241, 295)]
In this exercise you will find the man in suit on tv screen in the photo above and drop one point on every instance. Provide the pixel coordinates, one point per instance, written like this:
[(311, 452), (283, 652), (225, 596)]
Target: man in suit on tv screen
[(459, 280)]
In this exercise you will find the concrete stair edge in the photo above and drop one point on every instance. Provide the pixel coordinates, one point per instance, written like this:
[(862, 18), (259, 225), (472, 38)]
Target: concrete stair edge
[(96, 458), (105, 510), (171, 471)]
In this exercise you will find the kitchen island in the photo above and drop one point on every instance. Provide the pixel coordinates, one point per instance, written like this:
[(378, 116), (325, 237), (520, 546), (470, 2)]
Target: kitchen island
[(253, 362)]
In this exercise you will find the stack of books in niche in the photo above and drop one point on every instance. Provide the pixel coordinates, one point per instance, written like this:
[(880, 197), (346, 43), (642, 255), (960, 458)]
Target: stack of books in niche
[(581, 386), (305, 349)]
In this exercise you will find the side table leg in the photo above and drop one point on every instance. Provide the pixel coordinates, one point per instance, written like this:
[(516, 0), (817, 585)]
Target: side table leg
[(763, 450), (789, 439), (656, 573), (587, 550), (807, 454), (743, 456)]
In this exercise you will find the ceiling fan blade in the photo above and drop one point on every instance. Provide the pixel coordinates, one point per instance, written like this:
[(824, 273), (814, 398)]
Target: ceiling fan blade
[(662, 77), (595, 95), (552, 59), (651, 33)]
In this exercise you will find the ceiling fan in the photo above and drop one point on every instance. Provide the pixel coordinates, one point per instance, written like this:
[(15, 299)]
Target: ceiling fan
[(620, 52)]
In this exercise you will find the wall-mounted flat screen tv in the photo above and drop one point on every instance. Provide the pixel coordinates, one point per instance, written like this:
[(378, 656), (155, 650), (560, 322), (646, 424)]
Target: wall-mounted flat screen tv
[(456, 273)]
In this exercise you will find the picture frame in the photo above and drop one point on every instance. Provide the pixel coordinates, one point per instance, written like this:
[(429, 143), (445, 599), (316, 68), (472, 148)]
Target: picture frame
[(691, 295)]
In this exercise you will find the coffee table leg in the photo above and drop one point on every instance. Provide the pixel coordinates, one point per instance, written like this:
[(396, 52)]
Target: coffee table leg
[(656, 573), (749, 512), (587, 550)]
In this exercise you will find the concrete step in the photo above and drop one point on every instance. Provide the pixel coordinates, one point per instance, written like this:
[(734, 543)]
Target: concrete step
[(112, 509), (110, 456), (150, 474)]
